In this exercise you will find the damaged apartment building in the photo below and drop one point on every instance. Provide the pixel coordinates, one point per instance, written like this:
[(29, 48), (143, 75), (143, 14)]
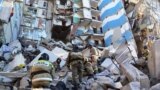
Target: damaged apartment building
[(79, 18), (36, 19), (116, 42), (10, 16)]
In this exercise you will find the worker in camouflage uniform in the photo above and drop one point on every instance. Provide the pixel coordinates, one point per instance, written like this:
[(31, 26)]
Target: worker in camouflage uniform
[(75, 64), (94, 55), (57, 64), (42, 72), (88, 69)]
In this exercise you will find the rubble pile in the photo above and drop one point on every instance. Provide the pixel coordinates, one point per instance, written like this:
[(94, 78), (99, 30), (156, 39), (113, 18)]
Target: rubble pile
[(81, 62), (17, 60)]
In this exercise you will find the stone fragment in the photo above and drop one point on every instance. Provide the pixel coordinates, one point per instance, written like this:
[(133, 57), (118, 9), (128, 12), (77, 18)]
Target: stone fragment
[(155, 87), (132, 86), (133, 74)]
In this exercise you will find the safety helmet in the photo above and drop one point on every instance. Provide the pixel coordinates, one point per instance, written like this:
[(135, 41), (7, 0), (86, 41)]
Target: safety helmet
[(44, 56), (58, 60)]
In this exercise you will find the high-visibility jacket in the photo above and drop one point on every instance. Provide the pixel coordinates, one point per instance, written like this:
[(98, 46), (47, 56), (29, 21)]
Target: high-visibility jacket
[(43, 70)]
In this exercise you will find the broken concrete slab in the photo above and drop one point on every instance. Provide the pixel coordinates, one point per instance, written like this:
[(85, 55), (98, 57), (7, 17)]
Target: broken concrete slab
[(89, 82), (106, 81), (96, 86), (16, 44), (13, 74), (118, 85), (107, 63), (5, 79), (19, 60), (155, 87), (7, 56), (61, 53), (103, 73), (3, 87), (133, 74), (52, 56), (124, 80), (132, 86), (24, 82), (114, 69), (154, 62)]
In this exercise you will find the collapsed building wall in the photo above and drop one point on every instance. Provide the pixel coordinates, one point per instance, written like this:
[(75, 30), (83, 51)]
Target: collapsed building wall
[(62, 19), (10, 16), (36, 19), (115, 24)]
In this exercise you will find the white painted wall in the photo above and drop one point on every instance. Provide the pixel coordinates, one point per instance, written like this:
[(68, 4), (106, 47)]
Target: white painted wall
[(11, 29)]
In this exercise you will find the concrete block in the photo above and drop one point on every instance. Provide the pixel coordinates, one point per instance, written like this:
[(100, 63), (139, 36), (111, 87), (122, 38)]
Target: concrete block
[(133, 74), (18, 60), (154, 60), (107, 62), (132, 86), (155, 87), (52, 56)]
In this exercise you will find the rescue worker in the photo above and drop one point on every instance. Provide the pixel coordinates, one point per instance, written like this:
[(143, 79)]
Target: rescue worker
[(75, 64), (145, 53), (42, 72), (88, 69), (57, 65), (94, 55)]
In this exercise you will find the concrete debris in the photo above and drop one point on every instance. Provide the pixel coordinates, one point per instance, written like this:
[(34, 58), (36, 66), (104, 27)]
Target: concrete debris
[(16, 64), (79, 44), (132, 86), (133, 74), (153, 61), (52, 57), (155, 87), (106, 82), (24, 57)]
